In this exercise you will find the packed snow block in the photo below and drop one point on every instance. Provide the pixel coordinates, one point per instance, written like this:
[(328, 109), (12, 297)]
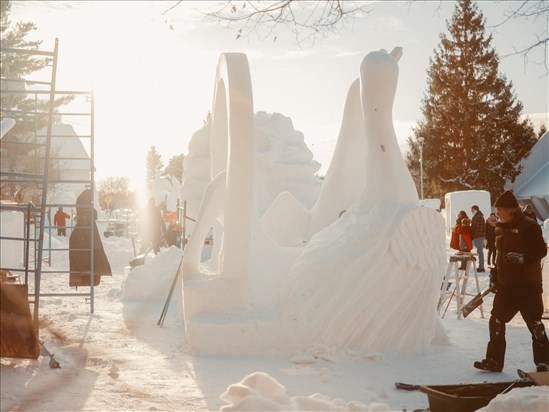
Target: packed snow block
[(12, 224), (214, 295), (463, 200)]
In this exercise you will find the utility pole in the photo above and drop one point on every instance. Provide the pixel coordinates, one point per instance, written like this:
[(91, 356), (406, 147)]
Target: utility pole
[(421, 141)]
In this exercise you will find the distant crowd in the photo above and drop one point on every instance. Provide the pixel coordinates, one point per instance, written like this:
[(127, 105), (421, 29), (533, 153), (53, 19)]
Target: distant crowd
[(479, 233)]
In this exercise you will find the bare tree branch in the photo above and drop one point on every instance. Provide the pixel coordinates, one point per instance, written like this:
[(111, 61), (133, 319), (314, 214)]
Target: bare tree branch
[(529, 9), (313, 20), (173, 6), (307, 21)]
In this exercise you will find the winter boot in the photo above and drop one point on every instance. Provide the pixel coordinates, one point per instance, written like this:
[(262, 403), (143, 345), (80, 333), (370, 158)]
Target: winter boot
[(488, 365), (542, 367)]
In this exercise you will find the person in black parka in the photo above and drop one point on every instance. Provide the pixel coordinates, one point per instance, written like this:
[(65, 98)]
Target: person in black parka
[(79, 245), (491, 239), (517, 281)]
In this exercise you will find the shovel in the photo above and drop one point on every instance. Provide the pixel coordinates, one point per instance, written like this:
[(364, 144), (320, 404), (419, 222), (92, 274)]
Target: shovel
[(475, 302), (45, 352)]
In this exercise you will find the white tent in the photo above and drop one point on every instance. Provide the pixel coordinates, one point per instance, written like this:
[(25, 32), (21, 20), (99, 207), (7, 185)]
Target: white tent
[(531, 186)]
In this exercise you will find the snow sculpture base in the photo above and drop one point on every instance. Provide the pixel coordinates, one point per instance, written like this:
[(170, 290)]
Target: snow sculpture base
[(215, 296), (360, 270)]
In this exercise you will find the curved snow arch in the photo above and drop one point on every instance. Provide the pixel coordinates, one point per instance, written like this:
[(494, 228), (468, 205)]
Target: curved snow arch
[(231, 147), (229, 196)]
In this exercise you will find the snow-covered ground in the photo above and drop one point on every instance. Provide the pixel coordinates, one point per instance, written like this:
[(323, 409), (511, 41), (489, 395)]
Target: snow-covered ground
[(119, 358)]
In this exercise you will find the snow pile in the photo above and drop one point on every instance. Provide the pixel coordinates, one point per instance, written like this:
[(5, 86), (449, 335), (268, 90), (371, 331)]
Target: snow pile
[(261, 392), (530, 399), (153, 280)]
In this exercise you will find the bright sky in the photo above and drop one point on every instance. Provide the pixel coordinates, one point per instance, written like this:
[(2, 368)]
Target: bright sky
[(154, 86)]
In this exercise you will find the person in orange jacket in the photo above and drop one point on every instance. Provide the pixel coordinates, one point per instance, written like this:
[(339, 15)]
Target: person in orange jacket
[(465, 238), (454, 241), (59, 220)]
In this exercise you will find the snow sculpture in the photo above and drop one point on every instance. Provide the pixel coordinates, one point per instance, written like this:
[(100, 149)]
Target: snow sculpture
[(384, 248), (227, 201), (282, 162), (364, 279)]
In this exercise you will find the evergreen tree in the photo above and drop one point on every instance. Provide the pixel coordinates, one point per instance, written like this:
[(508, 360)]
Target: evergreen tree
[(473, 130), (18, 67), (154, 166), (175, 167), (542, 130)]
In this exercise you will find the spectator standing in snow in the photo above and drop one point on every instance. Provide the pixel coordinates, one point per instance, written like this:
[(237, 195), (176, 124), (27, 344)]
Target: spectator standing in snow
[(454, 241), (478, 229), (491, 239), (59, 220), (464, 233), (517, 280)]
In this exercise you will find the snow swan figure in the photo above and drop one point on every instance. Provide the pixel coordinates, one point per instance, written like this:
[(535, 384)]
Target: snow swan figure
[(366, 279), (371, 279)]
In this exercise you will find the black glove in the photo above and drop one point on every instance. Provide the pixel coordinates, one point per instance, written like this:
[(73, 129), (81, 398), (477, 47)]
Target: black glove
[(494, 279), (514, 258)]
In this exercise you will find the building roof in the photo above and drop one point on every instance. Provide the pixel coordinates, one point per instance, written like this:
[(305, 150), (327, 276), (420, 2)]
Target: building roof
[(66, 144), (534, 178)]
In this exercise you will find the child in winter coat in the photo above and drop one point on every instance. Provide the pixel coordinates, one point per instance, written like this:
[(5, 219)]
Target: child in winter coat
[(464, 232), (454, 241)]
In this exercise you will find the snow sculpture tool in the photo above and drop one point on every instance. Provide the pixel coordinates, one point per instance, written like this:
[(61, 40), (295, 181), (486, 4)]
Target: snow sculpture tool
[(475, 302)]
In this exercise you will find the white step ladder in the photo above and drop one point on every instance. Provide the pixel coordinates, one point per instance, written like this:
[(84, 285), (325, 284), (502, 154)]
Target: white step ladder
[(459, 278)]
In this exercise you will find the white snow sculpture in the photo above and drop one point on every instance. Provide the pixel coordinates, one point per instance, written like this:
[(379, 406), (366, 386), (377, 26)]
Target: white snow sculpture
[(371, 280), (342, 185), (366, 279), (227, 201)]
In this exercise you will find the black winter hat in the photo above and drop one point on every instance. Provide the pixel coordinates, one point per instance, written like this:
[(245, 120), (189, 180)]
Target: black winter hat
[(506, 199)]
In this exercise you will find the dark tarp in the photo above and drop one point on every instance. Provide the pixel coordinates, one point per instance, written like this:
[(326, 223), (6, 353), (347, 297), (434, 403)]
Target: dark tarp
[(18, 337), (79, 245)]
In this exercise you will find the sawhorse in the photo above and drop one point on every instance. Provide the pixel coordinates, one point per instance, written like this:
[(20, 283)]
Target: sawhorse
[(460, 277)]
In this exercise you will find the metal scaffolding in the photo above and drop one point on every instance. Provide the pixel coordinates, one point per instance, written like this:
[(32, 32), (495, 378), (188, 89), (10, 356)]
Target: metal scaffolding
[(43, 178)]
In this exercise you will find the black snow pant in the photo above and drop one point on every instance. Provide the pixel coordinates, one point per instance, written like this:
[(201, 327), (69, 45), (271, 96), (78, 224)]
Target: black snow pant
[(510, 299), (492, 253)]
